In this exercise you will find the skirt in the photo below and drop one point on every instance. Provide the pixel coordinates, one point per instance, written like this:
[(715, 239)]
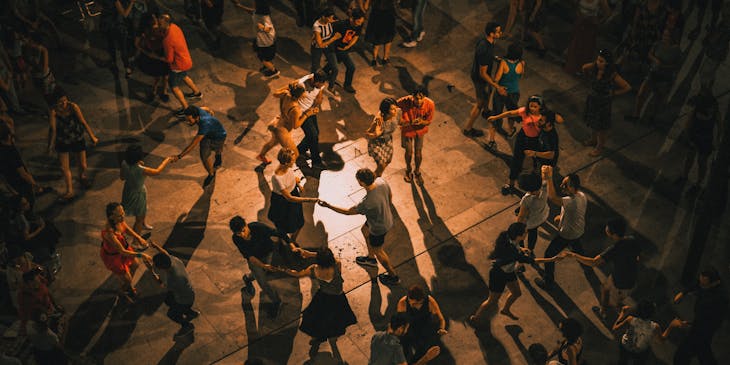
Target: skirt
[(327, 316), (152, 67), (116, 263), (598, 112), (381, 27), (135, 203), (381, 150), (288, 217)]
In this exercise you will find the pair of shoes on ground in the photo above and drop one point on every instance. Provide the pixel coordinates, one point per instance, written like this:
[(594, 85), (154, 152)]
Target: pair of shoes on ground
[(410, 176), (473, 132), (385, 278), (270, 73)]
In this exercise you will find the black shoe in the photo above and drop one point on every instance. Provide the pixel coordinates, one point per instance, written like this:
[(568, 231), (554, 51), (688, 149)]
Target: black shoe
[(193, 314), (366, 261), (218, 161), (388, 279), (275, 309), (271, 73), (473, 132), (349, 89), (194, 95), (508, 189), (180, 112), (186, 330), (320, 165), (373, 63), (208, 180), (164, 97), (545, 285)]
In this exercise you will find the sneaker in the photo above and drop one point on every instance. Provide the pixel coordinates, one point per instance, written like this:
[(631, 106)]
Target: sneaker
[(473, 132), (271, 73), (274, 310), (421, 35), (366, 261), (186, 330), (388, 279), (193, 314), (194, 95), (164, 97), (180, 112), (208, 180), (409, 44), (545, 285), (508, 189), (349, 89)]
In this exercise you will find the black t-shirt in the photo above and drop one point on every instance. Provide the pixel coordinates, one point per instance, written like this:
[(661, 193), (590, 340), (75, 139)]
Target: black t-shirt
[(548, 141), (506, 254), (348, 31), (483, 56), (623, 255), (260, 245), (10, 162), (710, 310)]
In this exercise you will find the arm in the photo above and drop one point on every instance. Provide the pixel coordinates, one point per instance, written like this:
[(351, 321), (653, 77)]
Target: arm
[(169, 50), (621, 320), (325, 44), (52, 129), (350, 211), (587, 67), (623, 86), (352, 43), (500, 71), (588, 261), (243, 7), (135, 235), (572, 358), (485, 76), (28, 235), (436, 311), (547, 175), (192, 145), (281, 92), (401, 307), (301, 273), (546, 155), (364, 4), (298, 117), (430, 355), (297, 199), (124, 11), (371, 132), (507, 114), (81, 118), (156, 171), (25, 175), (522, 215), (118, 245), (159, 248), (538, 5)]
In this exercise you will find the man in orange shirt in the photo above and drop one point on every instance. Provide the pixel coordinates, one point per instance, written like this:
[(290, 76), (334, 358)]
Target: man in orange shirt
[(178, 56), (418, 112)]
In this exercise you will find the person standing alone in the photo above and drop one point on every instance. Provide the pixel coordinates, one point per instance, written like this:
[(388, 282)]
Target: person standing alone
[(178, 56)]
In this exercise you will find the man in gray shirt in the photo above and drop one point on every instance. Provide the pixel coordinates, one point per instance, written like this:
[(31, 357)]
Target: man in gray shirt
[(375, 206), (180, 294), (386, 349), (571, 221)]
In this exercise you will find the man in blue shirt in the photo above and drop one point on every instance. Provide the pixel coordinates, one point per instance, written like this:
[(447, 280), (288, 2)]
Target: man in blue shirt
[(211, 136)]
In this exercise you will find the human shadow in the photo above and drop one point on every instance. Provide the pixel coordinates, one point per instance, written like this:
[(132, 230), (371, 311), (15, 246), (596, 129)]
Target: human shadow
[(266, 339), (247, 98), (173, 354)]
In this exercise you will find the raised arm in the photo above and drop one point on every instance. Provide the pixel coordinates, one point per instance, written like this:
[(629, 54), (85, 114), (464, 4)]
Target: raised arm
[(621, 84), (507, 114), (192, 145)]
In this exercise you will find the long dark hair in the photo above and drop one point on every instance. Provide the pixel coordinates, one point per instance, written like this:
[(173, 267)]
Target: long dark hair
[(611, 67), (110, 208)]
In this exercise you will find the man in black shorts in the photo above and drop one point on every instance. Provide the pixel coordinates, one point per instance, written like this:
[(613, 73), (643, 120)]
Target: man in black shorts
[(211, 137)]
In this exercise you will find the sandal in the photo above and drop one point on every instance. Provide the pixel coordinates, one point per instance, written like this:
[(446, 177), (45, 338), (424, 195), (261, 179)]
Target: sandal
[(408, 178), (419, 178), (264, 160)]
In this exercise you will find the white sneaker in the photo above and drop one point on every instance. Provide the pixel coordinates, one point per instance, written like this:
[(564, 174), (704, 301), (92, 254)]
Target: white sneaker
[(410, 44), (421, 35)]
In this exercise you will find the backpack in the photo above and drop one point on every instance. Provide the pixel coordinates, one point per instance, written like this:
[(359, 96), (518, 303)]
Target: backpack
[(639, 335)]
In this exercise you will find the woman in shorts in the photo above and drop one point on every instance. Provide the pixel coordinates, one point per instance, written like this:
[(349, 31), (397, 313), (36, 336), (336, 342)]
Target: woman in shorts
[(291, 117)]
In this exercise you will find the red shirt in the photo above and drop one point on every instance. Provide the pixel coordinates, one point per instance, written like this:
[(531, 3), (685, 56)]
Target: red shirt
[(530, 123), (32, 302), (412, 112), (176, 49)]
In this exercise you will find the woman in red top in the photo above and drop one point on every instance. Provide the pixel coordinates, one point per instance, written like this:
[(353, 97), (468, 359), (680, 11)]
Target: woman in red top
[(116, 253), (527, 137)]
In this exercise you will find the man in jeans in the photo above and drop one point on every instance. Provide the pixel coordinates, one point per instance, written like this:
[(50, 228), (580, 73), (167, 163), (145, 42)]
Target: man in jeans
[(256, 242), (481, 76), (350, 30), (418, 33), (312, 98), (375, 206), (571, 221), (178, 56), (323, 37), (211, 137), (180, 293)]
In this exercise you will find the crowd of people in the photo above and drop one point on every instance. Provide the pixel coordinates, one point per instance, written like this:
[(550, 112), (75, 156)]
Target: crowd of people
[(148, 39)]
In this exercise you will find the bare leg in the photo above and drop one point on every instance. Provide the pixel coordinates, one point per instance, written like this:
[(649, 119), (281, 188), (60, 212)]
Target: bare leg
[(409, 154), (474, 114), (295, 234), (376, 49), (82, 165), (491, 301), (269, 65), (511, 17), (640, 99), (383, 258), (188, 81), (63, 158), (180, 97), (514, 293), (418, 157), (273, 141), (386, 51)]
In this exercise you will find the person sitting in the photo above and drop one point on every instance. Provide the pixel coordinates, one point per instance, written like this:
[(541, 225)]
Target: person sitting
[(426, 323)]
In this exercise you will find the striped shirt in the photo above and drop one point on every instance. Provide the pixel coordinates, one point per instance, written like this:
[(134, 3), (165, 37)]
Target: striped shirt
[(325, 31)]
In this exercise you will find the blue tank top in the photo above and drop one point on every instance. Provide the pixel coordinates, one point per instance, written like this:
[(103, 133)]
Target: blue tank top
[(511, 79)]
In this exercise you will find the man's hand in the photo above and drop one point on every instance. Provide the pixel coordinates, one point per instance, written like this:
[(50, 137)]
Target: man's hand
[(678, 297), (269, 268), (557, 219), (432, 353), (324, 204), (501, 90)]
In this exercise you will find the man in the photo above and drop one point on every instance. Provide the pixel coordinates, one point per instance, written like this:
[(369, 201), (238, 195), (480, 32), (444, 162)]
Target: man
[(350, 29), (323, 37), (710, 310), (418, 33), (385, 347), (426, 323), (312, 97), (481, 71), (375, 206), (265, 45), (180, 294), (178, 56), (624, 255), (16, 176), (571, 221), (255, 241), (549, 144), (418, 111), (211, 137)]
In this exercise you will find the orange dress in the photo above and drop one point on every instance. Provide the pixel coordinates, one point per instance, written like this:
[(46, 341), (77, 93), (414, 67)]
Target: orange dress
[(114, 260)]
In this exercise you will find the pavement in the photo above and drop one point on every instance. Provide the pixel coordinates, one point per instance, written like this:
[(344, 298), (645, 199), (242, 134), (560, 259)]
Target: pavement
[(444, 229)]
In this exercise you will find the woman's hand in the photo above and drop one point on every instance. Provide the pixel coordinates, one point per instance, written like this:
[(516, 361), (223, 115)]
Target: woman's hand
[(94, 140)]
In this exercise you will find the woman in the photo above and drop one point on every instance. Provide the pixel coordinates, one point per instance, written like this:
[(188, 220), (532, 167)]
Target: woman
[(381, 28), (534, 24), (646, 29), (533, 209), (570, 350), (506, 256), (583, 42), (30, 232), (117, 27), (380, 134), (635, 344), (117, 254), (510, 71), (151, 56), (527, 137), (605, 84), (426, 323), (67, 129), (286, 201), (134, 196), (291, 117), (328, 314), (700, 133)]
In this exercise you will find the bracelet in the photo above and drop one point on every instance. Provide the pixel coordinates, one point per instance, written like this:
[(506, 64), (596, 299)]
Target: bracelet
[(138, 254)]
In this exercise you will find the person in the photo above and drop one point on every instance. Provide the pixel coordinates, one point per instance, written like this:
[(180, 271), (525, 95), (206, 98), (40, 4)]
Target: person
[(116, 28), (36, 58), (710, 309), (380, 134), (328, 314), (426, 323), (646, 28), (699, 131), (323, 39), (178, 57), (635, 343), (570, 350), (533, 210), (47, 347), (515, 6), (350, 29), (582, 46), (150, 57), (571, 221), (481, 77), (417, 114), (180, 293), (118, 255), (20, 262), (255, 241), (606, 83), (312, 97), (386, 349), (376, 207), (30, 232), (291, 117), (715, 48), (265, 44), (211, 12), (417, 32), (534, 24), (134, 194), (285, 209), (15, 174), (211, 137), (624, 255), (380, 30), (527, 137), (67, 127), (506, 256), (34, 299), (548, 141), (509, 72)]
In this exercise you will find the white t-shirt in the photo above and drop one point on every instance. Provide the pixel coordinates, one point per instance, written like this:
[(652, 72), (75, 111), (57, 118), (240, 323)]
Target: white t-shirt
[(325, 31), (537, 208), (280, 183), (263, 38), (307, 99), (639, 334), (573, 216)]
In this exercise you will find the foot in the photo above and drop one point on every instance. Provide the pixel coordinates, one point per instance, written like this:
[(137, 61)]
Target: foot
[(271, 73), (508, 189), (473, 321), (193, 314), (408, 177), (85, 182), (545, 285), (421, 35), (473, 132), (508, 314), (218, 161), (600, 312), (419, 177), (366, 261), (596, 152), (373, 63), (248, 287), (186, 330), (208, 180), (320, 165), (180, 112), (275, 309), (409, 44), (197, 95), (387, 279), (349, 89), (264, 160)]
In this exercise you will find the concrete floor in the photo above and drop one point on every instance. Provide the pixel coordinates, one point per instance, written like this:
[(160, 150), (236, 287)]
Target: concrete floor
[(444, 229)]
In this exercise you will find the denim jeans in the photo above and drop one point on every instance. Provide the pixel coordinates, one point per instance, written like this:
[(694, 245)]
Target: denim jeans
[(261, 276), (556, 245), (330, 67), (344, 57), (176, 311), (310, 127), (418, 19)]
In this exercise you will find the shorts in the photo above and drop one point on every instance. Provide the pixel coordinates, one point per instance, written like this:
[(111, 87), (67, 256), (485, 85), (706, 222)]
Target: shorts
[(498, 279), (376, 240), (482, 90), (265, 54), (617, 296), (71, 147), (176, 77), (417, 141), (207, 145)]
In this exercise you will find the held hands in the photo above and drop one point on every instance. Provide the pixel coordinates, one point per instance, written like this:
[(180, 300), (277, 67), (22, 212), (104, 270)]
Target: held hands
[(442, 331), (324, 204), (501, 90), (547, 171)]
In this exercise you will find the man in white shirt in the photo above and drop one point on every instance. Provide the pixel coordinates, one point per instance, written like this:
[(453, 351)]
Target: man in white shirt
[(313, 86), (323, 37)]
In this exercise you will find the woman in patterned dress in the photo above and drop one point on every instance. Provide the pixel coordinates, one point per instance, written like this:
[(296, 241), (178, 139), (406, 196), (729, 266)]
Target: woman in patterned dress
[(380, 134)]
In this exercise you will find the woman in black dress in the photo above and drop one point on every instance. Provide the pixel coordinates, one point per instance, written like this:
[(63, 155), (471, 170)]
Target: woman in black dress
[(381, 28), (328, 314), (286, 202), (605, 84)]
